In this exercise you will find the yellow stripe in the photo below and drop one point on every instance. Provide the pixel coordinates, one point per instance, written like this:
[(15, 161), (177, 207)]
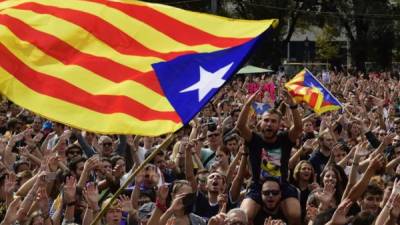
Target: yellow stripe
[(297, 78), (143, 33), (327, 108), (226, 27), (77, 116), (320, 99), (78, 76), (80, 39)]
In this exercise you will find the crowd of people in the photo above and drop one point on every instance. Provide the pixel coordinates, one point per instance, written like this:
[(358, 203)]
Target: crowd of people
[(228, 166)]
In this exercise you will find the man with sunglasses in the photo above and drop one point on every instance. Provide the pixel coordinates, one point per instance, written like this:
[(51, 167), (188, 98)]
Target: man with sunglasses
[(270, 149), (271, 200)]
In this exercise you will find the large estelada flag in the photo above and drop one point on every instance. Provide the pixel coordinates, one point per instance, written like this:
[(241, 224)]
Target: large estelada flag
[(304, 87), (124, 67)]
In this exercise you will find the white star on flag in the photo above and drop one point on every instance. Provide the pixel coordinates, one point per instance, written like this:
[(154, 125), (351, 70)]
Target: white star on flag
[(208, 81), (259, 106)]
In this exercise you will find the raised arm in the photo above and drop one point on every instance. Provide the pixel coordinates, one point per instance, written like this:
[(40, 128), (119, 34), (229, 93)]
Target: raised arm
[(234, 191), (241, 124), (297, 128), (358, 189), (189, 164)]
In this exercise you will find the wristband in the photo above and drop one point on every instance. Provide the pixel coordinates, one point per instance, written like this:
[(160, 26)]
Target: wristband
[(161, 206), (293, 106)]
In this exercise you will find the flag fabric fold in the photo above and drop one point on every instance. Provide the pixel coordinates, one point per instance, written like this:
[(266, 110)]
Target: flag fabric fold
[(118, 67), (305, 87)]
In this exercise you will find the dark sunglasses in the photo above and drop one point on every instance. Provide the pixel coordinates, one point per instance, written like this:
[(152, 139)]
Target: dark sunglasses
[(271, 193), (107, 144), (74, 152)]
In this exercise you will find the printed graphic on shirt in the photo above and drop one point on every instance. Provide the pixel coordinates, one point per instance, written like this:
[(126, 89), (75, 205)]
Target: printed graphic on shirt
[(271, 163)]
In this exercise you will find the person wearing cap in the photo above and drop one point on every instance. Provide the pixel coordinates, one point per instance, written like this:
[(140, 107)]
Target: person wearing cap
[(73, 151)]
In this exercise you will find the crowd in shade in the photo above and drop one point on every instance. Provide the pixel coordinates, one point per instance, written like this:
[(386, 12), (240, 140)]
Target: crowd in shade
[(233, 164)]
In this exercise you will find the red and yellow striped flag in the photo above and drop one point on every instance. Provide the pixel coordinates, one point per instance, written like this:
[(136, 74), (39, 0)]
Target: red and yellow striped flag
[(89, 64)]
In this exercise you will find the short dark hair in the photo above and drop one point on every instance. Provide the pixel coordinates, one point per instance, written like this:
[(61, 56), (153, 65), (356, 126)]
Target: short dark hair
[(275, 111), (273, 179), (230, 137), (372, 190), (73, 146), (324, 217)]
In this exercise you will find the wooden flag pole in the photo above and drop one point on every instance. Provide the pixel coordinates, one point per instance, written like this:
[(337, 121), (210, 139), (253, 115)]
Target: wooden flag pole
[(163, 145)]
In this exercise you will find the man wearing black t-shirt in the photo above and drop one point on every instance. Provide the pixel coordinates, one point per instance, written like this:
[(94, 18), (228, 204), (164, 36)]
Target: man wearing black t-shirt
[(320, 158), (269, 156)]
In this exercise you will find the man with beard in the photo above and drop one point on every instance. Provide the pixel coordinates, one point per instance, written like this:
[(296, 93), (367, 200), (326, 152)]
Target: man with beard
[(209, 205), (320, 157), (269, 156), (271, 199)]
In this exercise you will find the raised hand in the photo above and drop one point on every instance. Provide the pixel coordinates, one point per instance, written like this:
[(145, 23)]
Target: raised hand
[(222, 200), (66, 135), (177, 203), (288, 99), (395, 206), (340, 215), (10, 183), (219, 219), (311, 213), (43, 199), (125, 203), (52, 163), (70, 190), (389, 138), (162, 194), (12, 211), (91, 195), (252, 97), (377, 162), (38, 137), (326, 196)]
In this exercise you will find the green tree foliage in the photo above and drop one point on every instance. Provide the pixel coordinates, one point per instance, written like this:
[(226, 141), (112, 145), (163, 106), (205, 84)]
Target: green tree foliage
[(327, 48)]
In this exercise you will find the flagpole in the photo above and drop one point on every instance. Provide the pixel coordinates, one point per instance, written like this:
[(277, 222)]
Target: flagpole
[(163, 145), (329, 92)]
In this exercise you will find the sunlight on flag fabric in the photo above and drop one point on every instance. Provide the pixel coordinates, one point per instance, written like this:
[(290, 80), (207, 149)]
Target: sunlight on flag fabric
[(118, 67)]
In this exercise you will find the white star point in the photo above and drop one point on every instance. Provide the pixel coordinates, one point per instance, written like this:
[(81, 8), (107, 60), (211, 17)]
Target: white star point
[(208, 81)]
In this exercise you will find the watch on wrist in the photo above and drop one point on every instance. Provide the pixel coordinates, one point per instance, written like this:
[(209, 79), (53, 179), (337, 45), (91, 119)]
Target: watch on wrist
[(293, 106)]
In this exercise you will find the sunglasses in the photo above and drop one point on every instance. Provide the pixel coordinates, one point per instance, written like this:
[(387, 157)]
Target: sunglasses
[(109, 144), (74, 152), (271, 193)]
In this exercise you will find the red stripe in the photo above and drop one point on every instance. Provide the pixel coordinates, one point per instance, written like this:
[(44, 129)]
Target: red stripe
[(171, 27), (102, 30), (62, 51), (313, 98), (60, 89)]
